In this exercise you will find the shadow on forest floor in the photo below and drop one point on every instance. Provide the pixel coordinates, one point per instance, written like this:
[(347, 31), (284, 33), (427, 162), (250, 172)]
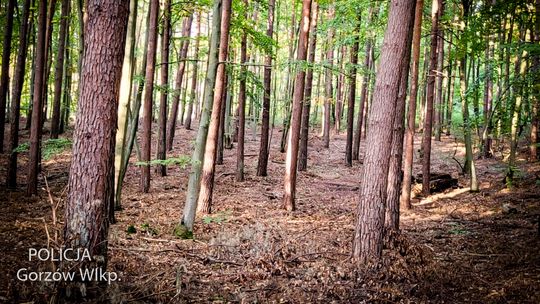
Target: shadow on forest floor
[(458, 248)]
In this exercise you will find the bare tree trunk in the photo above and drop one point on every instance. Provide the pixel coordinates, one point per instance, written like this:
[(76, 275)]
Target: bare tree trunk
[(352, 97), (241, 106), (4, 79), (221, 129), (35, 129), (90, 186), (209, 164), (146, 142), (304, 128), (59, 69), (339, 91), (535, 124), (194, 78), (430, 91), (368, 237), (267, 80), (171, 127), (296, 115), (488, 100), (438, 109), (328, 86), (162, 122), (450, 93), (18, 81)]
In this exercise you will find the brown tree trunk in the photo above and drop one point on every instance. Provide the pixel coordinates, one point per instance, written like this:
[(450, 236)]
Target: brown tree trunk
[(194, 78), (171, 127), (368, 237), (339, 91), (18, 81), (450, 92), (221, 129), (241, 107), (59, 69), (304, 128), (146, 142), (535, 69), (296, 115), (90, 186), (209, 165), (430, 91), (48, 57), (4, 78), (352, 97), (162, 122), (35, 129), (438, 109), (262, 164), (328, 86)]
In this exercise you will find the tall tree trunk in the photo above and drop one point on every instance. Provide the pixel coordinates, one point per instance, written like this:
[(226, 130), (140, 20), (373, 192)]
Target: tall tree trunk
[(59, 69), (396, 157), (162, 122), (430, 91), (4, 78), (171, 127), (328, 85), (194, 78), (221, 129), (48, 57), (438, 109), (198, 157), (368, 236), (90, 186), (450, 91), (209, 165), (405, 199), (18, 81), (488, 100), (304, 128), (242, 106), (535, 124), (35, 129), (124, 103), (146, 138), (352, 97), (66, 97), (262, 164), (339, 91)]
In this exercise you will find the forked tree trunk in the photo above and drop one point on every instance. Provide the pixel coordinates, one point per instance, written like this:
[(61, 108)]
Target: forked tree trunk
[(368, 236), (405, 199), (430, 92), (59, 69), (304, 129), (4, 78), (162, 120), (262, 164), (291, 159), (146, 142), (198, 157), (209, 164), (35, 129), (18, 81), (90, 186)]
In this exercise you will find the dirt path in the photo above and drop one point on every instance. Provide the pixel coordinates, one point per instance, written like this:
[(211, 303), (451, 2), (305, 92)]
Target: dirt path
[(457, 248)]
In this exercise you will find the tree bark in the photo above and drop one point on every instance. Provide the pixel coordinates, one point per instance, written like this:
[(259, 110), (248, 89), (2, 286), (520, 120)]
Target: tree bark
[(296, 115), (173, 116), (241, 106), (405, 199), (162, 122), (4, 78), (328, 85), (262, 164), (209, 165), (352, 97), (535, 69), (438, 108), (194, 78), (18, 81), (304, 128), (90, 186), (430, 91), (146, 138), (368, 236)]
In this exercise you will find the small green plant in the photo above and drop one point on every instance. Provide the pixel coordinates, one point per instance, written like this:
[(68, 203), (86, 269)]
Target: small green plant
[(51, 147), (131, 229), (182, 161), (458, 229), (219, 218), (181, 232), (149, 230)]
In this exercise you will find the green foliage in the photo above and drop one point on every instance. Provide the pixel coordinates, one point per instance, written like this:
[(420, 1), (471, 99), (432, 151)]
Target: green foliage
[(182, 161), (131, 229), (219, 218), (50, 148), (149, 230), (181, 231)]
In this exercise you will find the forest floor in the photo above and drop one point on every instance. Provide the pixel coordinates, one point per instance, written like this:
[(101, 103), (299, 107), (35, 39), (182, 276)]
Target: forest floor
[(455, 247)]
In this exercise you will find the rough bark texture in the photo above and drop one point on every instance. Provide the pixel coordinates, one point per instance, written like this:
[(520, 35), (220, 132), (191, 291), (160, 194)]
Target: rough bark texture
[(90, 187), (59, 69), (296, 116), (368, 236), (162, 122), (405, 199), (171, 126), (209, 165), (351, 101), (35, 129), (328, 85), (4, 78), (430, 92), (438, 105), (535, 124), (18, 81), (194, 78), (146, 138), (304, 129), (267, 80), (241, 108)]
